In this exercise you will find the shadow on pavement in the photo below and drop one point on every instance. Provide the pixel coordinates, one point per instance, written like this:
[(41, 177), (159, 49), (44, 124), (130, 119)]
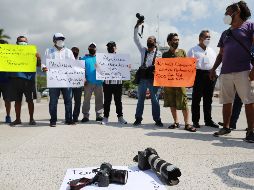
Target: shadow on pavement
[(238, 175)]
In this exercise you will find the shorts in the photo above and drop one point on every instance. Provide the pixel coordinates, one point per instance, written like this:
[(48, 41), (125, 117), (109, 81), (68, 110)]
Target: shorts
[(20, 86), (232, 82), (4, 91), (175, 97)]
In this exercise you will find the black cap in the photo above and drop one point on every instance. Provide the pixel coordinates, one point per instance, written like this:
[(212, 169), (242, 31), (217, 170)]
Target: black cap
[(111, 44)]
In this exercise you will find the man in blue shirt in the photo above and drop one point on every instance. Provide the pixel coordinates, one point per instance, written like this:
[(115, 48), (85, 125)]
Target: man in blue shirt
[(23, 83), (92, 86)]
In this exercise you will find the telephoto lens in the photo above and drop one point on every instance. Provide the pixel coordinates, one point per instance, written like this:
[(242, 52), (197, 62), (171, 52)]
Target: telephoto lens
[(118, 176)]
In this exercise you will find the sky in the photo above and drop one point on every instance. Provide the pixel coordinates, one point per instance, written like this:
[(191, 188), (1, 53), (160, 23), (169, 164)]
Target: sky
[(101, 21)]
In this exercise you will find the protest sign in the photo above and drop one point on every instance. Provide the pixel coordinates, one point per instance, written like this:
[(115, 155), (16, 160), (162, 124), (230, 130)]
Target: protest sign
[(17, 58), (65, 73), (112, 66), (175, 72), (137, 179)]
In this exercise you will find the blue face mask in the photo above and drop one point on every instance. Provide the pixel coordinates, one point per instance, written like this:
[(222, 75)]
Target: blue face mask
[(22, 43)]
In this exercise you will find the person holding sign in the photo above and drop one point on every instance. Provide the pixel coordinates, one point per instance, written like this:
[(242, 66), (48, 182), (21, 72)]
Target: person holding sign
[(175, 97), (92, 86), (203, 86), (236, 72), (23, 83), (148, 56), (76, 92), (113, 87), (59, 51)]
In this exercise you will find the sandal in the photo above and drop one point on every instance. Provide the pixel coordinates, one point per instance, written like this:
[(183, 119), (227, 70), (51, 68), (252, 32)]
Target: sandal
[(14, 123), (173, 126), (189, 128)]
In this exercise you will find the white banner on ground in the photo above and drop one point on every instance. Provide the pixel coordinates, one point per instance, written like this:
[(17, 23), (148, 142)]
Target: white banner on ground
[(65, 73), (112, 66), (137, 179)]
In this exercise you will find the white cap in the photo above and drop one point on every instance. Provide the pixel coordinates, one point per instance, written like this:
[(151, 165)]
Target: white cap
[(92, 43), (58, 35)]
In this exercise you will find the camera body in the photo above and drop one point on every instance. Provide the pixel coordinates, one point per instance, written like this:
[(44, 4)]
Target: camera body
[(106, 175), (149, 159), (140, 17)]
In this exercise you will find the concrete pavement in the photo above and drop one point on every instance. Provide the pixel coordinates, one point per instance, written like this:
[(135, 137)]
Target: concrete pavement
[(37, 157)]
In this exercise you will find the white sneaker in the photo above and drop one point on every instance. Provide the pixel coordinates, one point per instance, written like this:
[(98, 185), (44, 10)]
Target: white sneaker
[(121, 120), (104, 121)]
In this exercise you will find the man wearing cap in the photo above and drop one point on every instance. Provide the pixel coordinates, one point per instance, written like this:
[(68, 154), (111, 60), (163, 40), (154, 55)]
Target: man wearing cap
[(92, 86), (23, 83), (113, 87), (59, 51)]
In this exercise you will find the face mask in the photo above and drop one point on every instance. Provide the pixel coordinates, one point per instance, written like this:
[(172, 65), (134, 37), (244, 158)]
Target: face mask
[(22, 43), (227, 19), (60, 43), (174, 45), (206, 42), (91, 51), (150, 45)]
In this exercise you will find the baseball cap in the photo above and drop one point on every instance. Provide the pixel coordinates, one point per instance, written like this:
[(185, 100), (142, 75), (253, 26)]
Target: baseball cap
[(59, 36), (92, 45), (111, 43)]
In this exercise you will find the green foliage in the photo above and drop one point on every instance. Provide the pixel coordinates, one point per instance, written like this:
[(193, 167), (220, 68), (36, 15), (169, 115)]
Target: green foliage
[(41, 82), (3, 37)]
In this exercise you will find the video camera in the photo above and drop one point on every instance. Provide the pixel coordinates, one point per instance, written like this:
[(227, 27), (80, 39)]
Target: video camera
[(149, 159), (106, 175)]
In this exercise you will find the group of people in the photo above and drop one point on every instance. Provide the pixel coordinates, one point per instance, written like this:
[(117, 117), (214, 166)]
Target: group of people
[(235, 78)]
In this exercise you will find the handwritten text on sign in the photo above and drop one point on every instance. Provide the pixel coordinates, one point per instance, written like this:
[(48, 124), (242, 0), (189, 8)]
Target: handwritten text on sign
[(137, 179), (17, 58), (175, 72), (111, 66), (65, 73)]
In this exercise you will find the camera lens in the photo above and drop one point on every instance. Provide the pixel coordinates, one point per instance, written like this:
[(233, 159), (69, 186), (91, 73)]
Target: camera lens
[(119, 176)]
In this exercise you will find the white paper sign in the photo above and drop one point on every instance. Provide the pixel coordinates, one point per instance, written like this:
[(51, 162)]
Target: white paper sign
[(137, 179), (112, 66), (65, 73)]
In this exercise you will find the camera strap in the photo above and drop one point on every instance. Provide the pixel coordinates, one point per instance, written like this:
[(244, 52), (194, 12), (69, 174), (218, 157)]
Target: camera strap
[(145, 58), (78, 184)]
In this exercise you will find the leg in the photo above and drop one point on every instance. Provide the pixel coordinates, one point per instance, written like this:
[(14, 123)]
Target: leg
[(53, 100), (7, 107), (88, 90), (17, 111), (118, 99), (196, 97), (77, 92), (186, 116), (249, 110), (155, 101), (31, 110), (174, 114), (226, 111), (67, 94), (108, 91), (237, 106), (98, 92), (142, 86)]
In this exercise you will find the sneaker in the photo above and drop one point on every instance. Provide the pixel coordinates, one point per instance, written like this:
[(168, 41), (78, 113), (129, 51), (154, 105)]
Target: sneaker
[(121, 120), (212, 124), (137, 122), (159, 123), (32, 122), (70, 123), (222, 131), (85, 119), (104, 121), (75, 120), (7, 119), (99, 118), (196, 125), (249, 137), (52, 124)]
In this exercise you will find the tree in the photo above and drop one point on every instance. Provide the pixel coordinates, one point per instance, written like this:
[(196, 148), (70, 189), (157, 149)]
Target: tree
[(3, 37)]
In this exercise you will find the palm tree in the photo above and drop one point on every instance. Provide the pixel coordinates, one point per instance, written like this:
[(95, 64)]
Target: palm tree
[(3, 37)]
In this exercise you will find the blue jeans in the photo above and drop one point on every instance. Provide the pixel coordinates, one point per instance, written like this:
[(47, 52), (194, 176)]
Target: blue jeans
[(76, 94), (142, 87), (54, 95)]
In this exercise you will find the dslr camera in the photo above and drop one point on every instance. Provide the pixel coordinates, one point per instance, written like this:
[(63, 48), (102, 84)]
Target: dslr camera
[(140, 17), (106, 175), (149, 159)]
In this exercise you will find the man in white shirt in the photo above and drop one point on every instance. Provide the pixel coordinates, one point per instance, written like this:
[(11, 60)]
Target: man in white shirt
[(203, 86), (59, 51)]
